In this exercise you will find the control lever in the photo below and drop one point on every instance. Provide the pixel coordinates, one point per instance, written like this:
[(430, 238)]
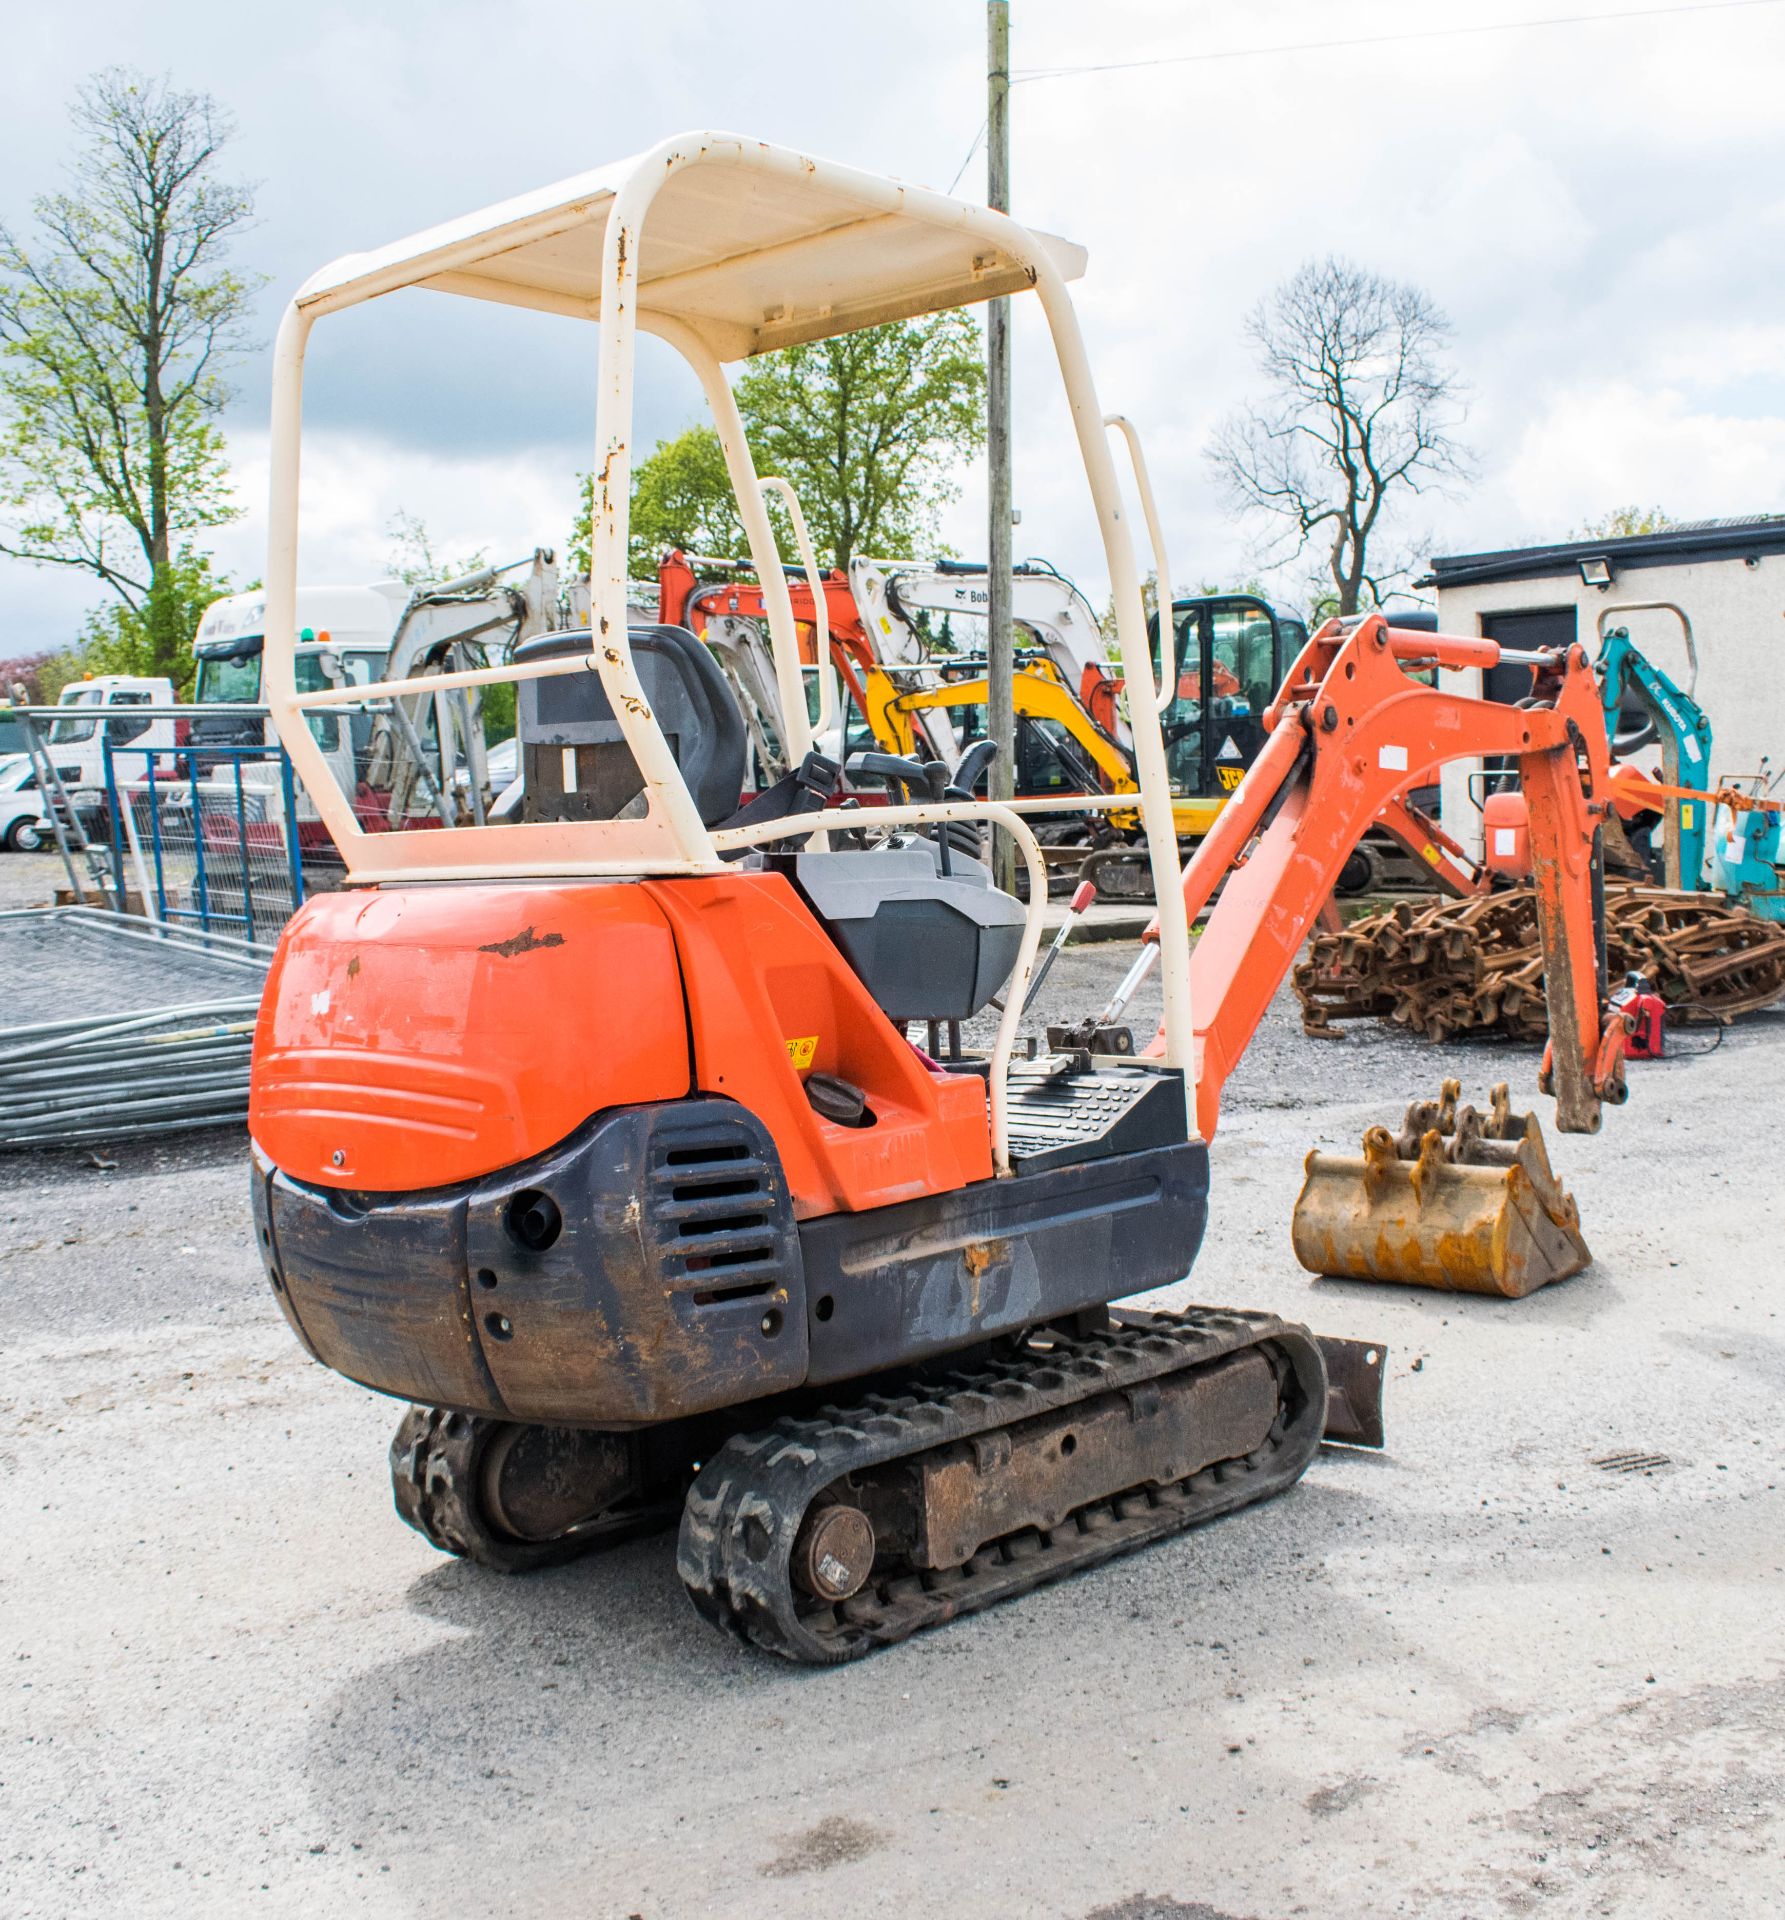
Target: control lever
[(905, 776), (900, 773), (972, 769), (936, 779), (968, 773)]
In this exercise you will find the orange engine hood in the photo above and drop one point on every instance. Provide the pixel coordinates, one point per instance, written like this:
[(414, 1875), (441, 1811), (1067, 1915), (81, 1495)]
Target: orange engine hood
[(411, 1038)]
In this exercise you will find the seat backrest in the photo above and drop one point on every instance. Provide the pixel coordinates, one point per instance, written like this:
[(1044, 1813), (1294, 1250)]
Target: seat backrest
[(575, 762)]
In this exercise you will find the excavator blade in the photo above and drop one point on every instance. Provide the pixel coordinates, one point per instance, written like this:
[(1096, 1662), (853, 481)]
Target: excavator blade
[(1457, 1200)]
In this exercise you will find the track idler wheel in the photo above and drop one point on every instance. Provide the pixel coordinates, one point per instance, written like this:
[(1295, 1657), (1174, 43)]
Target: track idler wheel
[(509, 1496)]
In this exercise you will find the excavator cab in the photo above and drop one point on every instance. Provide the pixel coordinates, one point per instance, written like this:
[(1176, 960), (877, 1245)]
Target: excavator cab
[(1229, 655)]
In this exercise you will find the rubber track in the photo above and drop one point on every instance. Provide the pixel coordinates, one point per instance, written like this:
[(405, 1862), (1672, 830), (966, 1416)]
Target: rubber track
[(744, 1510), (433, 1472)]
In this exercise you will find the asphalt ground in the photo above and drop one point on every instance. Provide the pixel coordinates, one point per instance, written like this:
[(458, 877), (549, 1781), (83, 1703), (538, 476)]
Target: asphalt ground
[(1475, 1675)]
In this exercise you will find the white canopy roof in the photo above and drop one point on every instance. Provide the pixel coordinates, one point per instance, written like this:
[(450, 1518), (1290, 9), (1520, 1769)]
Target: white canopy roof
[(754, 247)]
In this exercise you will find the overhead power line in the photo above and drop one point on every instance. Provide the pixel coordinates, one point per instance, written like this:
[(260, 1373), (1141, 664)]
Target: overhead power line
[(1024, 76), (971, 151)]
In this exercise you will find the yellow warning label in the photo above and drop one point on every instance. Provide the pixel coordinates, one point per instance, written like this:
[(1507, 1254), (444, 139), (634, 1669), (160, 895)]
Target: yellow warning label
[(803, 1052), (1431, 853), (885, 624), (1230, 777), (1685, 815)]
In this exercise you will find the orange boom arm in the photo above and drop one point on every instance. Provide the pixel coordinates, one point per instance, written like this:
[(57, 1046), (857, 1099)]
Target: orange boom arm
[(1349, 731)]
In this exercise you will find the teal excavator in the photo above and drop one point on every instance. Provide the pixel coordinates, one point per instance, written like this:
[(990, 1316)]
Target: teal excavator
[(1644, 706)]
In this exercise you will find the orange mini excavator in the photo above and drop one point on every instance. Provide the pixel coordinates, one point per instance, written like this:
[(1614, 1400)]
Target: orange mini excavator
[(595, 1133)]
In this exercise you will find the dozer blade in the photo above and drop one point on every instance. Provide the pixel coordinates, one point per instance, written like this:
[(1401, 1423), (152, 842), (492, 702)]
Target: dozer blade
[(1453, 1201)]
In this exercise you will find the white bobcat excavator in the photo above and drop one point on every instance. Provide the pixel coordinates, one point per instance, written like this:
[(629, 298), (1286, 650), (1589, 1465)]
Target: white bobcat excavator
[(419, 758)]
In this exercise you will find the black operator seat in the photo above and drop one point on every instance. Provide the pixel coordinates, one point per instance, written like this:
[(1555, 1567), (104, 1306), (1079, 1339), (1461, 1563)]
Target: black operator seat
[(920, 921), (575, 762)]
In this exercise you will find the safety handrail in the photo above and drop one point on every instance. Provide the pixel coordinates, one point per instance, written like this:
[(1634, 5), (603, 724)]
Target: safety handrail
[(1167, 685), (821, 613), (436, 682), (243, 710), (1017, 992)]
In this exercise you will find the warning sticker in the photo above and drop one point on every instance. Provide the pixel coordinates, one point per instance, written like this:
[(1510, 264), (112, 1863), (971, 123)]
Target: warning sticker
[(803, 1052), (1392, 759), (1228, 750), (1505, 841), (1431, 853)]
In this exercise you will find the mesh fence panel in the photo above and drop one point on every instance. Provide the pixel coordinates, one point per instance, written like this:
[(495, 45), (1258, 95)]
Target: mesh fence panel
[(206, 839)]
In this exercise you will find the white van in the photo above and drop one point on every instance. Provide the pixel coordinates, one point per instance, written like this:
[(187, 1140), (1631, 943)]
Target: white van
[(24, 826), (76, 741)]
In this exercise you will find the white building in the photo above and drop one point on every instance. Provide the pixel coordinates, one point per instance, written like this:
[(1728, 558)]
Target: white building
[(1727, 576)]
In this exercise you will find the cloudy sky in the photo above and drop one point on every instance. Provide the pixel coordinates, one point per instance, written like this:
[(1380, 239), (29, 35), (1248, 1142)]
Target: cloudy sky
[(1599, 206)]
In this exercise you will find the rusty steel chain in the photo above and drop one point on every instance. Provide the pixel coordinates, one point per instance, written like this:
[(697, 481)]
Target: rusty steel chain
[(1474, 966)]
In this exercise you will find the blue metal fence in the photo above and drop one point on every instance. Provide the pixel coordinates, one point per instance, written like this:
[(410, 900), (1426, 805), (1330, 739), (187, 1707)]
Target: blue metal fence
[(205, 841)]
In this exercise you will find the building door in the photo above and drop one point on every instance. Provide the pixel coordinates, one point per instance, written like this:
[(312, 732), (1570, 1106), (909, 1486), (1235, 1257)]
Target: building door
[(1527, 632), (1511, 683)]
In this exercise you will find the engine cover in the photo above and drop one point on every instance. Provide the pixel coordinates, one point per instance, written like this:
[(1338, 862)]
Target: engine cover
[(414, 1037)]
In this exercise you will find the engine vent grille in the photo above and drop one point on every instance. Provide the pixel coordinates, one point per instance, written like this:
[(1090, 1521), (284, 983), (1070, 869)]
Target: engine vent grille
[(715, 1216)]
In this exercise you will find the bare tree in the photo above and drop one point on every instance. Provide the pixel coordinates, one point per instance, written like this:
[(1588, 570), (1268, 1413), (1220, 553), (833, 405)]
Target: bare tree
[(1361, 407), (115, 329)]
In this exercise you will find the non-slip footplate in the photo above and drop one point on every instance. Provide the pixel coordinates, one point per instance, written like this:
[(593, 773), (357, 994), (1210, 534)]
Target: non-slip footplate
[(1063, 1109)]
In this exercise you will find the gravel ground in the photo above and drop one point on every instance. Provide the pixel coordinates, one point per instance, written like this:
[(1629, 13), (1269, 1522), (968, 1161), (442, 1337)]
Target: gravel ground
[(30, 879), (1473, 1676)]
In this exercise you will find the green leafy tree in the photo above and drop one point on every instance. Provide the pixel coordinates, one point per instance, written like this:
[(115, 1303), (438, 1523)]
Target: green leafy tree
[(42, 675), (119, 637), (117, 325), (1622, 522), (871, 429), (681, 497)]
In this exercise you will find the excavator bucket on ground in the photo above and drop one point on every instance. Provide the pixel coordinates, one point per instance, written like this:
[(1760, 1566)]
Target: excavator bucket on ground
[(1455, 1200)]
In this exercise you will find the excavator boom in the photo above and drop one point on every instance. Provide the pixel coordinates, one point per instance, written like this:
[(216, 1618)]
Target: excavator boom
[(1349, 731)]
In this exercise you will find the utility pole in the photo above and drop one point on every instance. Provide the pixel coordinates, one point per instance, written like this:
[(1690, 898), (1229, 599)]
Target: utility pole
[(1000, 633)]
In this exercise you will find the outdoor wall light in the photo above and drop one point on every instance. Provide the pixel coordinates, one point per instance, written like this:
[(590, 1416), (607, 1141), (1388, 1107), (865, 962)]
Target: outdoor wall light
[(1596, 573)]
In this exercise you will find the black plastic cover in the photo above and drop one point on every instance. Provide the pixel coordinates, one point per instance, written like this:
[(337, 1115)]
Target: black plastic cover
[(927, 945), (903, 1283)]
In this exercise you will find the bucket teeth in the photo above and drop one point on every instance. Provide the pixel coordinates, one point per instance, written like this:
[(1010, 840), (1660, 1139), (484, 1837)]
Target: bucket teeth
[(1458, 1199)]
